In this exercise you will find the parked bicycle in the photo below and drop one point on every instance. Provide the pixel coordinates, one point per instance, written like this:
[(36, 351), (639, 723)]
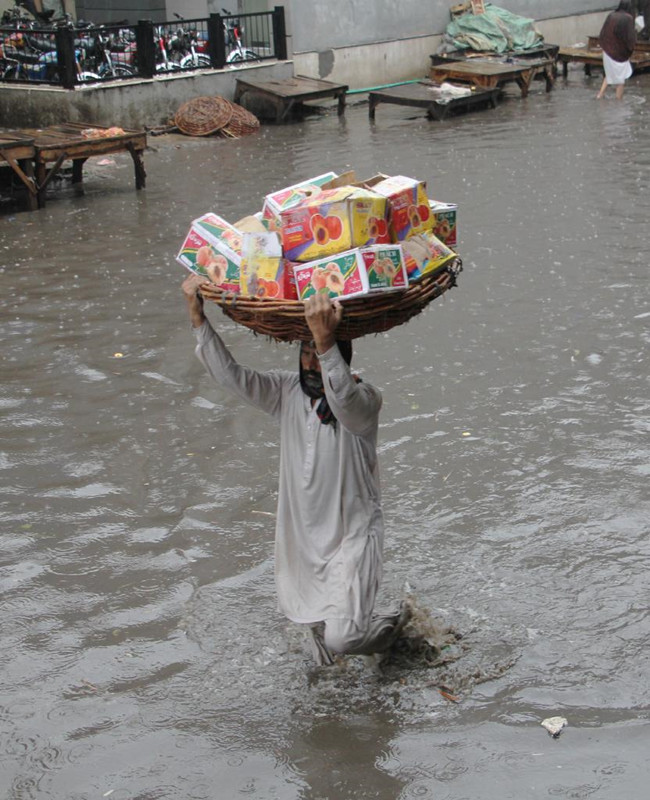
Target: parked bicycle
[(164, 62), (106, 62), (188, 49), (234, 35)]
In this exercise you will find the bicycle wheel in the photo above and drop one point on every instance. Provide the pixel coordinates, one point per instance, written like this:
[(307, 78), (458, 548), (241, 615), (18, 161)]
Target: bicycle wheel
[(199, 61), (170, 66), (117, 71), (245, 55), (11, 74)]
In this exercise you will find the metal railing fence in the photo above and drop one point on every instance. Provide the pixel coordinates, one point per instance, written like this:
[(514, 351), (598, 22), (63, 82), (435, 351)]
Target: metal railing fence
[(68, 55)]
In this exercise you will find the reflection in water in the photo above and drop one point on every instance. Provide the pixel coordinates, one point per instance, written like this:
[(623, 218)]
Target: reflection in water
[(143, 655)]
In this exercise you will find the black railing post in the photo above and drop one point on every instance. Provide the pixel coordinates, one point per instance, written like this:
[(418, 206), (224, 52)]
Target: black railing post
[(65, 57), (146, 49), (279, 34), (216, 41)]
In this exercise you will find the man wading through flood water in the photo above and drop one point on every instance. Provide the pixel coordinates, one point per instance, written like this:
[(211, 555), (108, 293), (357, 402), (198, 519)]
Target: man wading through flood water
[(329, 528)]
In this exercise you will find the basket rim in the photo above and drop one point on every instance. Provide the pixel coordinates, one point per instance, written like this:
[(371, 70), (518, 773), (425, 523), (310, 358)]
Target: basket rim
[(284, 320)]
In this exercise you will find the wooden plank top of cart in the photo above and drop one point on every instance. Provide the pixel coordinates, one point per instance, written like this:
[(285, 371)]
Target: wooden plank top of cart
[(77, 142), (490, 73), (285, 94)]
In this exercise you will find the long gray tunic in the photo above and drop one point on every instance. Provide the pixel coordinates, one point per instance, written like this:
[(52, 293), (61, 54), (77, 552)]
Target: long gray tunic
[(329, 528)]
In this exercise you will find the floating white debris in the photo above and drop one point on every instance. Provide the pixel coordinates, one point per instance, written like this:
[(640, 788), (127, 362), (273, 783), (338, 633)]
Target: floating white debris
[(554, 725)]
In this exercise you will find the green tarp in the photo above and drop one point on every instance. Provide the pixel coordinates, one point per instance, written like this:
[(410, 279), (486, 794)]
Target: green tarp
[(497, 30)]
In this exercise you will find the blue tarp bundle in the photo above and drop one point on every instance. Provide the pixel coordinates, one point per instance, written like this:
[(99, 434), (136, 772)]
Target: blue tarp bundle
[(497, 30)]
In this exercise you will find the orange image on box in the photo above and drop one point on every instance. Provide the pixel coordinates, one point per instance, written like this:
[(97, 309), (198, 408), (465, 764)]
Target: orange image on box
[(333, 222)]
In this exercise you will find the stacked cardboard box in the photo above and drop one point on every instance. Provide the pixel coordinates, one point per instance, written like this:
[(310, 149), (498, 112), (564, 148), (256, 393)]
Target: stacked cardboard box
[(331, 234)]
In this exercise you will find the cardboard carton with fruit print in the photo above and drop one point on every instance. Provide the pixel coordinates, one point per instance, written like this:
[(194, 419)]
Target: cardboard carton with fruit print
[(408, 206), (276, 202), (335, 221), (210, 258), (264, 271), (445, 222), (340, 276), (385, 267), (225, 233), (424, 253)]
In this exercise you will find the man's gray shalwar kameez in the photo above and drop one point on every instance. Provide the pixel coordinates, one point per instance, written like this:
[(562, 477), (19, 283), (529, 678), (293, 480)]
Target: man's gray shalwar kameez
[(329, 529)]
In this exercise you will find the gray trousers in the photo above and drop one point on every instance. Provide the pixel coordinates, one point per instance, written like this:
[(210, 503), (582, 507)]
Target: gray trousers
[(341, 636)]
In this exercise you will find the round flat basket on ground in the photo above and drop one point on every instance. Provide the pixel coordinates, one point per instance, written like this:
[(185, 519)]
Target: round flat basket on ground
[(202, 116), (284, 320), (241, 123)]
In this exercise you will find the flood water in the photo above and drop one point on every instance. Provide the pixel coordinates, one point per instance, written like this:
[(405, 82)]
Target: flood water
[(142, 652)]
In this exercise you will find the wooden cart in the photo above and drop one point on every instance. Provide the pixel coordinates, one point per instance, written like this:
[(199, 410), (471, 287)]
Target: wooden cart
[(48, 148), (592, 56), (285, 94), (494, 73), (418, 95), (18, 151)]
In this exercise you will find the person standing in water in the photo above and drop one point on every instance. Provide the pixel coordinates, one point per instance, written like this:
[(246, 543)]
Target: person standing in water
[(329, 526), (617, 40)]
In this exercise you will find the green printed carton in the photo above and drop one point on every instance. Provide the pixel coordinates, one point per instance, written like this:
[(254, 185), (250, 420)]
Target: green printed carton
[(212, 249), (385, 267), (339, 276)]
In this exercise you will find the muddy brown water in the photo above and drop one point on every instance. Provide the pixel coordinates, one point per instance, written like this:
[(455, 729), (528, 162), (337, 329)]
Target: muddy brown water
[(142, 653)]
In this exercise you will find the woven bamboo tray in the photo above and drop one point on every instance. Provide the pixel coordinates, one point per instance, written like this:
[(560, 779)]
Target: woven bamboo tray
[(284, 320), (202, 116)]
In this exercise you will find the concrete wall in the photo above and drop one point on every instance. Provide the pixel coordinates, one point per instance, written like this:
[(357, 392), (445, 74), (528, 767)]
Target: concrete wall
[(342, 23), (107, 11), (569, 31), (134, 104), (366, 66)]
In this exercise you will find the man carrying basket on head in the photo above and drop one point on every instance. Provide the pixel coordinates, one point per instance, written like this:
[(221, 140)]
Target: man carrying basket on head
[(329, 526)]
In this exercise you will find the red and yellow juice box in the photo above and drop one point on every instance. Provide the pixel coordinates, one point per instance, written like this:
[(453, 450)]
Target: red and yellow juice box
[(262, 265), (335, 221), (385, 267), (341, 276), (408, 206)]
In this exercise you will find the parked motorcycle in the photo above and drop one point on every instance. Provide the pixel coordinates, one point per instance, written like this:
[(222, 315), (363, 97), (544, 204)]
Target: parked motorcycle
[(29, 54), (39, 63)]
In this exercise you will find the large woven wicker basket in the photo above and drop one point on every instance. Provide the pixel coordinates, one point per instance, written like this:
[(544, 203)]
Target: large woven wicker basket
[(284, 320), (202, 116), (241, 123)]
